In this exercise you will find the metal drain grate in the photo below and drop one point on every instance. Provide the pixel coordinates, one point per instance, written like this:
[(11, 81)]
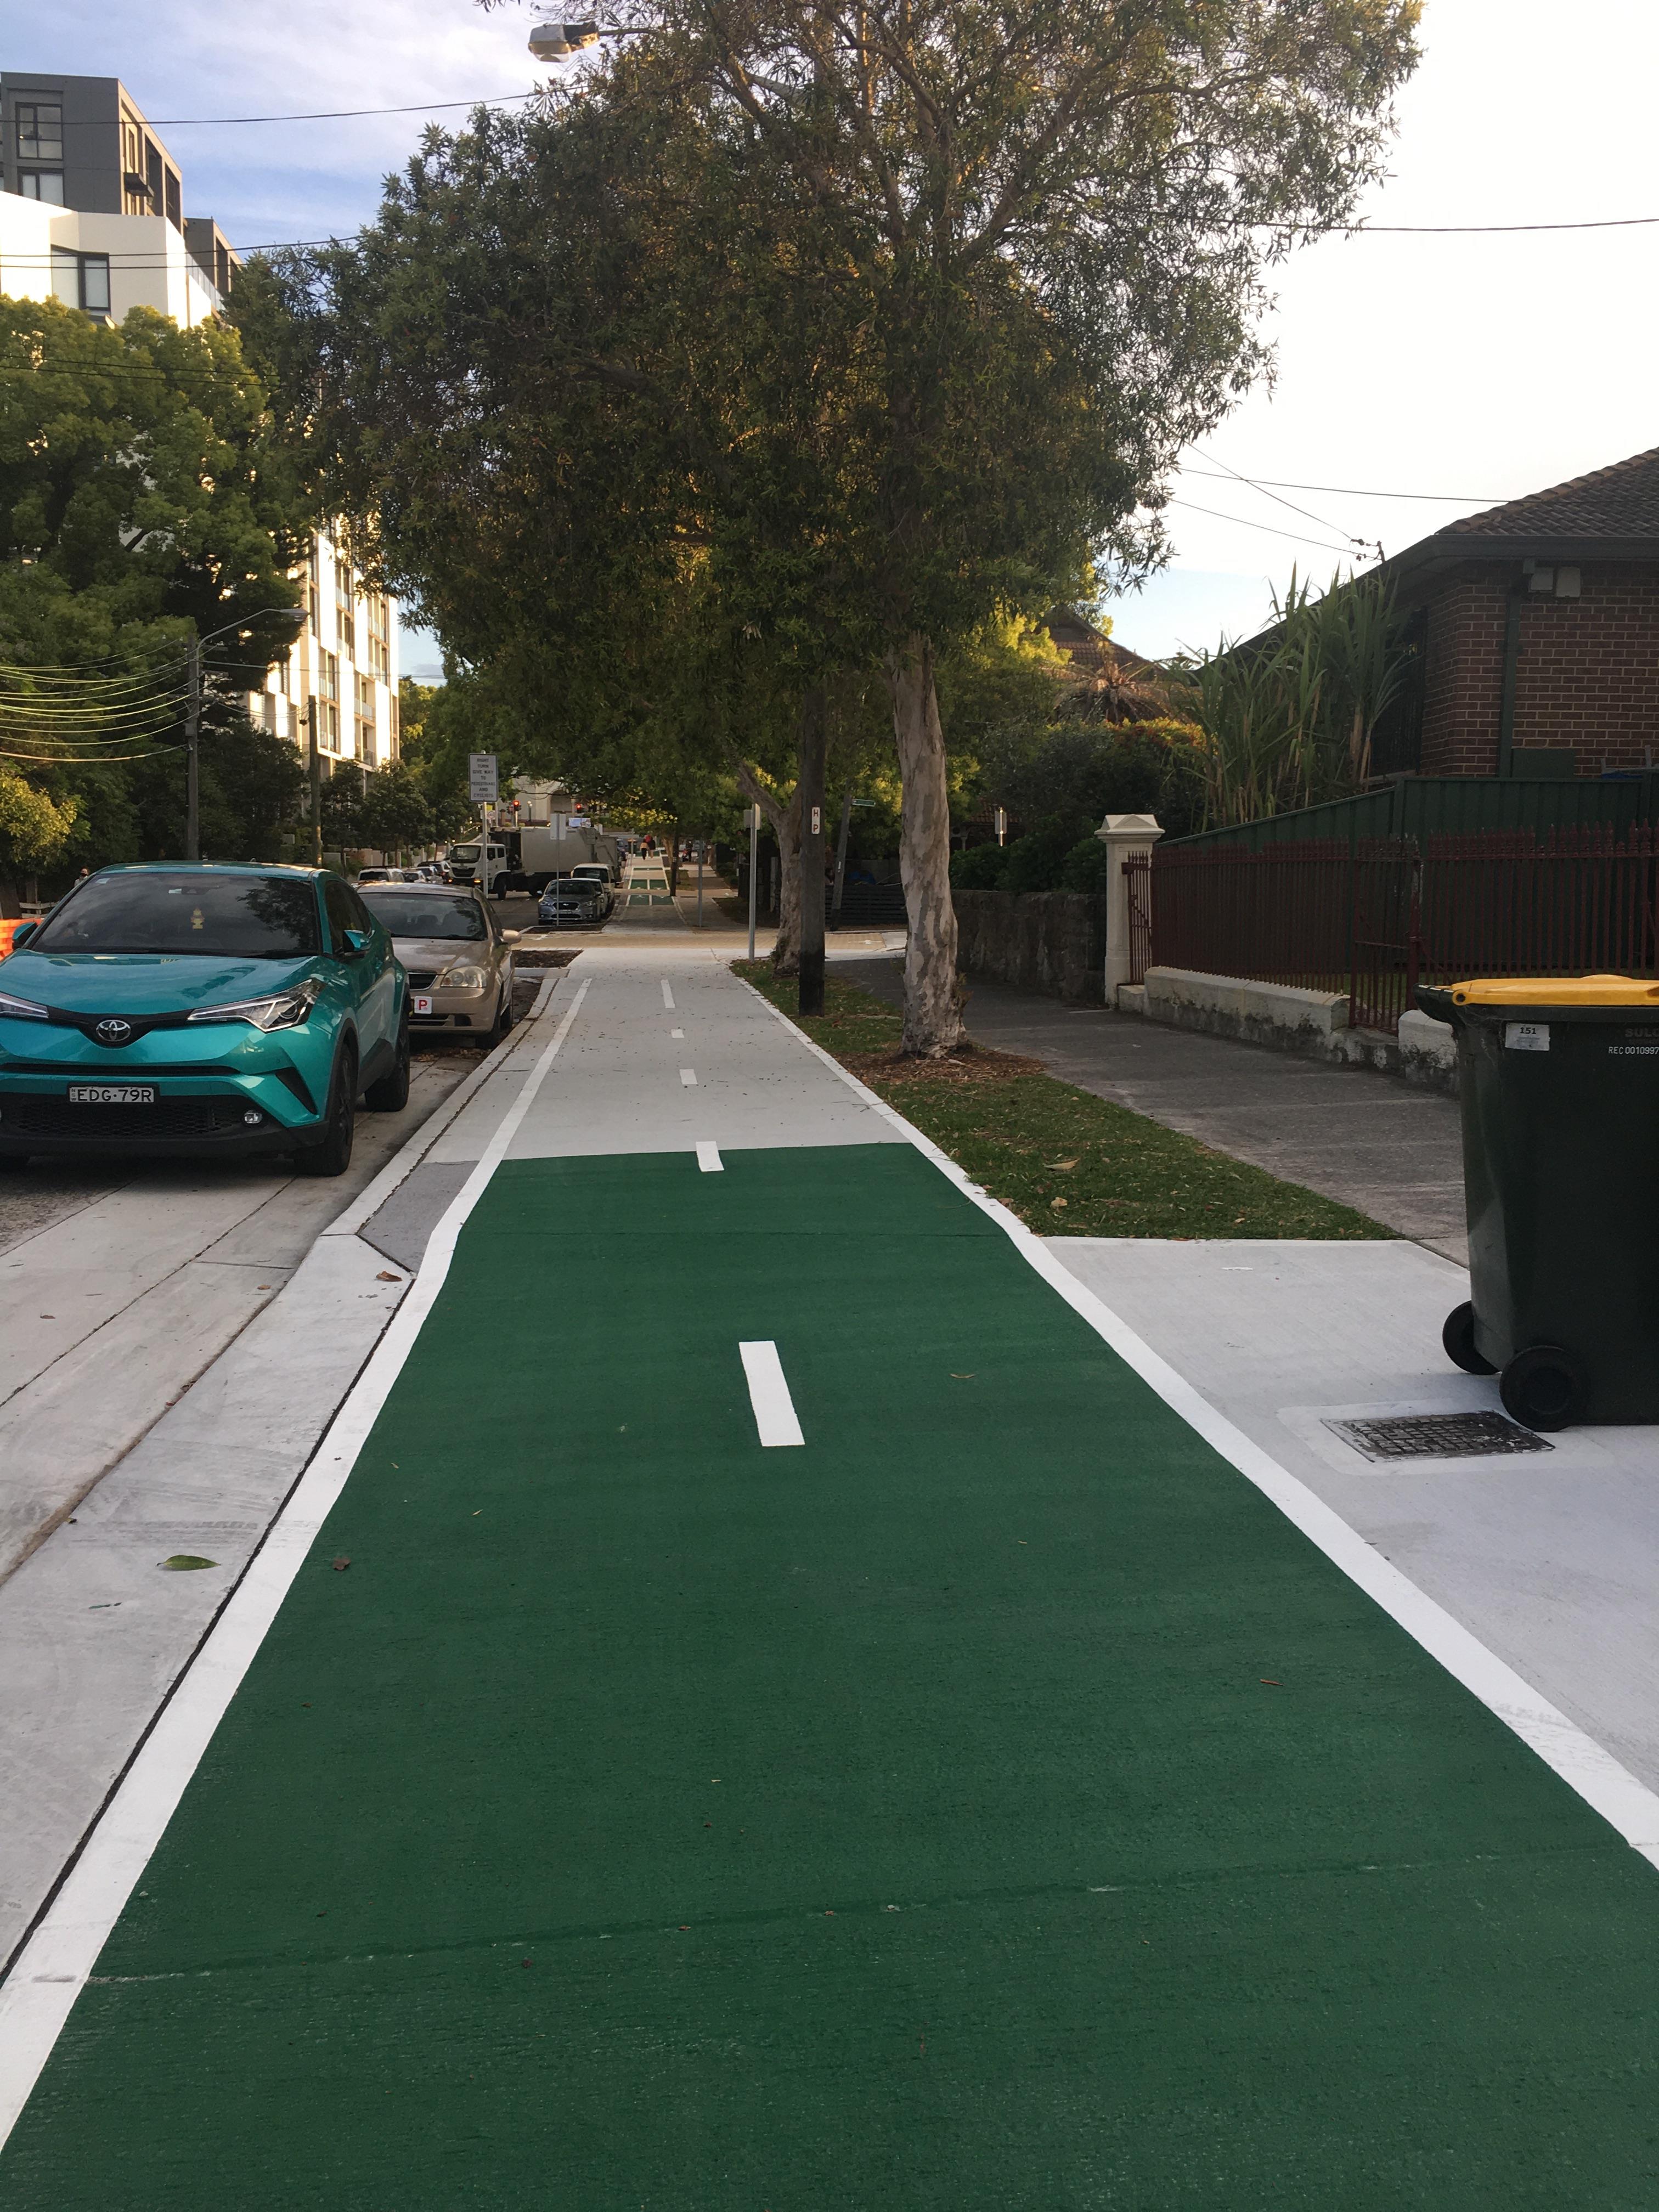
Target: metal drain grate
[(1438, 1435)]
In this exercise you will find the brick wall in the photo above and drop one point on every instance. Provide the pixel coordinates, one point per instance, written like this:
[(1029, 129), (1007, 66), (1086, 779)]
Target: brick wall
[(1587, 674)]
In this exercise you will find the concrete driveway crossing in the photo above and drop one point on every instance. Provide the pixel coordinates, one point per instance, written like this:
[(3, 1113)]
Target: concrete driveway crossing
[(991, 1800)]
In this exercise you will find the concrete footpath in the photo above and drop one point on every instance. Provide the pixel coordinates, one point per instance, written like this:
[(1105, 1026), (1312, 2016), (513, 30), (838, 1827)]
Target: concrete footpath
[(1388, 1147), (900, 1712)]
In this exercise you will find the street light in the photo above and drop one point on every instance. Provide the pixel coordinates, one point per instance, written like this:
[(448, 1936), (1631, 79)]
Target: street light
[(551, 42), (296, 617)]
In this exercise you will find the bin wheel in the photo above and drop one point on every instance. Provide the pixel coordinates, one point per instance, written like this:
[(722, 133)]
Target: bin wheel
[(1543, 1388), (1458, 1337)]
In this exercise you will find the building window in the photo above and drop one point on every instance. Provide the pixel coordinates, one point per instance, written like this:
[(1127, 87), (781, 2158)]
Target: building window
[(222, 267), (378, 614), (175, 204), (268, 709), (82, 280), (135, 193), (42, 185), (366, 745), (345, 621), (153, 177), (40, 131)]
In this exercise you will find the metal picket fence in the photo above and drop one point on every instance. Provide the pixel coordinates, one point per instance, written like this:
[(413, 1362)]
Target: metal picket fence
[(1376, 916)]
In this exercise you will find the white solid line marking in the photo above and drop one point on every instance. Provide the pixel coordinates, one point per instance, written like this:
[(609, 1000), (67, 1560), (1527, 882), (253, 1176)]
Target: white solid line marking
[(688, 1078), (1624, 1802), (37, 1995), (667, 995), (709, 1159), (677, 1033), (768, 1394)]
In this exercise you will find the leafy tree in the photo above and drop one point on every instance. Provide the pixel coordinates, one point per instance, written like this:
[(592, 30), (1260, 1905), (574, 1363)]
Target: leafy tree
[(143, 494), (859, 329)]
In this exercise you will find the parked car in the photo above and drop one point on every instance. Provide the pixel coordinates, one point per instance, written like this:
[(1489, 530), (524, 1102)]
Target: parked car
[(575, 903), (388, 876), (163, 1009), (599, 871), (432, 872), (459, 958)]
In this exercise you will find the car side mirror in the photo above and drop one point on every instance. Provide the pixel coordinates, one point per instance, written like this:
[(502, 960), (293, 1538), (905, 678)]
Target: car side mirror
[(511, 936), (21, 934), (353, 943)]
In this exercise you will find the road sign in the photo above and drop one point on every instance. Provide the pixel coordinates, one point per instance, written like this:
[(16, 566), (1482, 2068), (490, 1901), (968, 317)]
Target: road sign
[(483, 780)]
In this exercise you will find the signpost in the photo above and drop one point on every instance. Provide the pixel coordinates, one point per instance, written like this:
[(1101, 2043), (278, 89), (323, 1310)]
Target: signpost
[(754, 871), (483, 787)]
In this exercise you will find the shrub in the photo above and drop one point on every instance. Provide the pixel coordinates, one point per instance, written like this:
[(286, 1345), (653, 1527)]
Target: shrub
[(1034, 862), (1086, 867), (977, 868)]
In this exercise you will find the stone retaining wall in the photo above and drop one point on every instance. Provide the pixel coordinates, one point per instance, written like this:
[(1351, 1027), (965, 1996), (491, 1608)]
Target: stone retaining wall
[(1291, 1020), (1049, 941)]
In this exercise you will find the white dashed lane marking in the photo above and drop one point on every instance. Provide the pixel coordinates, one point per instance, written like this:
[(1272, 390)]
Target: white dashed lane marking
[(709, 1159), (768, 1394), (688, 1078)]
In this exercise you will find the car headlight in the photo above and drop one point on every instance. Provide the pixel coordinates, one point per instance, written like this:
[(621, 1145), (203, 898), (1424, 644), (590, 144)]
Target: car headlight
[(21, 1010), (466, 975), (283, 1010)]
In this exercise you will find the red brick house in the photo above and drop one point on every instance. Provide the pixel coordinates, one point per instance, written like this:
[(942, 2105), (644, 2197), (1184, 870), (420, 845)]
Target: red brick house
[(1535, 634)]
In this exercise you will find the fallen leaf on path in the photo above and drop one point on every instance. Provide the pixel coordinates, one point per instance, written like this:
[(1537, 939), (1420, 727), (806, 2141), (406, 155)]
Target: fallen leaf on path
[(182, 1562), (383, 1277), (1057, 1203), (1060, 1163), (1268, 1685), (968, 1377), (341, 1564)]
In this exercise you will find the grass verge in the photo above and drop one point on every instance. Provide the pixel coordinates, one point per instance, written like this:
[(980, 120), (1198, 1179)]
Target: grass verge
[(1068, 1164)]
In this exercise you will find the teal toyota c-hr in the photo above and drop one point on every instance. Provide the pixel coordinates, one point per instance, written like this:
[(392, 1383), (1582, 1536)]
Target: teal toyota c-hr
[(164, 1010)]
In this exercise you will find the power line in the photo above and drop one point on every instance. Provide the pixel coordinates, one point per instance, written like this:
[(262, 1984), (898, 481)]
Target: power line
[(1271, 528), (314, 115), (1359, 491), (1290, 504)]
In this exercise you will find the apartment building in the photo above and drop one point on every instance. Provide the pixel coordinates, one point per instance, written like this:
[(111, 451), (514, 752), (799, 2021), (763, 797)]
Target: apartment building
[(92, 213)]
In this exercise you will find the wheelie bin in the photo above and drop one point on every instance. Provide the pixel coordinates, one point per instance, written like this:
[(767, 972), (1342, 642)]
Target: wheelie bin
[(1559, 1089)]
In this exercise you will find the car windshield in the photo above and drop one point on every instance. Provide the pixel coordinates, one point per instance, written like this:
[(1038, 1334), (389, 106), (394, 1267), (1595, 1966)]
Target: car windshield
[(573, 887), (463, 852), (414, 913), (248, 917)]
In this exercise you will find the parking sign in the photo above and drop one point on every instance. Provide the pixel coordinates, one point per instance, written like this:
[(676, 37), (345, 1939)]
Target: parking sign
[(483, 782)]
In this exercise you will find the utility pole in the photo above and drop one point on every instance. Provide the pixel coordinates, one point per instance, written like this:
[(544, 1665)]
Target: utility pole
[(754, 871), (702, 847), (314, 769), (814, 744), (193, 736)]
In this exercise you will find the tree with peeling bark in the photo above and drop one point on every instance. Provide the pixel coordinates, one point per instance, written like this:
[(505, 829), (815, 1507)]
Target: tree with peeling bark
[(1043, 230)]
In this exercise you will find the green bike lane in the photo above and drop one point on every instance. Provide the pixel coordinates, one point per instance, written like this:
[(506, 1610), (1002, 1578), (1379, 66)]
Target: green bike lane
[(991, 1801)]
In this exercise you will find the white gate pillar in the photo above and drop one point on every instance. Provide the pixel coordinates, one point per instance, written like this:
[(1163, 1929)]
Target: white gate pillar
[(1124, 835)]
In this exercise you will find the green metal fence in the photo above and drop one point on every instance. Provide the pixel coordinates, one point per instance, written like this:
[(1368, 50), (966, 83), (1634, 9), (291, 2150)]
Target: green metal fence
[(1425, 806)]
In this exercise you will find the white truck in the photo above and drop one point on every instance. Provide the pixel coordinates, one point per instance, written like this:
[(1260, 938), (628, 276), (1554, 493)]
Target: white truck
[(528, 860)]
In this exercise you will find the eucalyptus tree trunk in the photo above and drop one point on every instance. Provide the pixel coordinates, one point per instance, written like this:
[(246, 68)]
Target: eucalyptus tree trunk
[(932, 997), (785, 821)]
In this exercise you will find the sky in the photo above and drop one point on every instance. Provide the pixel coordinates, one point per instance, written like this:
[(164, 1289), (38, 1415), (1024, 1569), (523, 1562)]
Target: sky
[(1474, 367)]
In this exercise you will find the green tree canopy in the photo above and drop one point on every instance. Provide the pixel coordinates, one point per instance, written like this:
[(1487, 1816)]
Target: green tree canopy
[(857, 329), (144, 493)]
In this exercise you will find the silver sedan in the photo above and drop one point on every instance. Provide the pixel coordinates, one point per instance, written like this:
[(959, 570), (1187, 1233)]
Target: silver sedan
[(459, 958)]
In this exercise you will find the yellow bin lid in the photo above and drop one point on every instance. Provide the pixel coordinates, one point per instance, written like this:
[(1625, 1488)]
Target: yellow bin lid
[(1557, 991)]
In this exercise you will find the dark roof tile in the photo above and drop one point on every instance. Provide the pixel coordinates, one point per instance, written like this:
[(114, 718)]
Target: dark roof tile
[(1621, 501)]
